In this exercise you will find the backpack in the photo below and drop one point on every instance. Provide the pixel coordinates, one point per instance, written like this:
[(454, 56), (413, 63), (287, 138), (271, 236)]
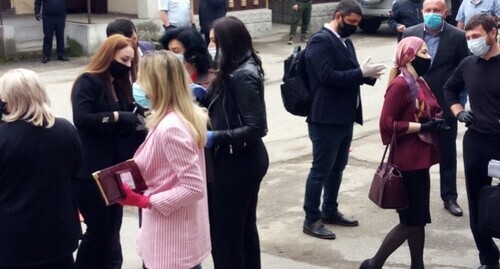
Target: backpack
[(295, 92)]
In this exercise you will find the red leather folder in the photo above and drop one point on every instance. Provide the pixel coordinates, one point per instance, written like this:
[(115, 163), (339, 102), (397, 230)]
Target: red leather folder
[(109, 181)]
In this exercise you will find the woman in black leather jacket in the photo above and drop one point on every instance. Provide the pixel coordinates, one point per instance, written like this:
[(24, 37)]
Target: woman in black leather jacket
[(238, 121)]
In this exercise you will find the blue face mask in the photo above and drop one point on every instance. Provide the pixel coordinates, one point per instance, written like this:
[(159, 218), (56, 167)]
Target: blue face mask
[(433, 20), (140, 96)]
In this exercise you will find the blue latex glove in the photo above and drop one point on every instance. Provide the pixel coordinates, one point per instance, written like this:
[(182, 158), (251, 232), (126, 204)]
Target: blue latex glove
[(198, 91), (210, 139), (140, 96)]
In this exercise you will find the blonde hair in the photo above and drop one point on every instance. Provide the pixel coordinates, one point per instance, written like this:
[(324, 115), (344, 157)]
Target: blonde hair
[(26, 98), (165, 82), (395, 71)]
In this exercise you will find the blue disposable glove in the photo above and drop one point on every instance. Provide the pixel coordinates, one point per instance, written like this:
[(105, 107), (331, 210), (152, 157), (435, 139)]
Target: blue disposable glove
[(210, 139), (198, 91)]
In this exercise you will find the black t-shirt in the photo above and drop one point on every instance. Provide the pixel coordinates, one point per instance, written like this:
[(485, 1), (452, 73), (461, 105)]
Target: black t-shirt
[(482, 80)]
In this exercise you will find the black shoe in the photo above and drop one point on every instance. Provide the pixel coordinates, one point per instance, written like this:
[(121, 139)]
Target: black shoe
[(317, 229), (453, 208), (496, 266), (290, 40), (304, 38), (45, 60), (365, 264), (339, 219), (63, 58)]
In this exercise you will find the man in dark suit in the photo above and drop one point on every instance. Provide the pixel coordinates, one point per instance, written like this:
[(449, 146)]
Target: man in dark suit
[(54, 20), (335, 77), (126, 27), (209, 11), (404, 13), (447, 46)]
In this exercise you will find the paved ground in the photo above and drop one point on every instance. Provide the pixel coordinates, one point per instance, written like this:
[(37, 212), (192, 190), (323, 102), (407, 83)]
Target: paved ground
[(449, 242)]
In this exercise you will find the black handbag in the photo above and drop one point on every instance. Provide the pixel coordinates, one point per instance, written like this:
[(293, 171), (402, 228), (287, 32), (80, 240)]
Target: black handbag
[(387, 189), (489, 211)]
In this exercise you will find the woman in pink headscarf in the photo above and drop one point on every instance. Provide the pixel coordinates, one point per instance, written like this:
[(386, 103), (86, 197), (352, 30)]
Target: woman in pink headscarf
[(412, 112)]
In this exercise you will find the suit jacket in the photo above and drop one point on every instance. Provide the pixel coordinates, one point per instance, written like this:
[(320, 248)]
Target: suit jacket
[(452, 49), (146, 46), (334, 79), (175, 229), (38, 214), (50, 7), (105, 142)]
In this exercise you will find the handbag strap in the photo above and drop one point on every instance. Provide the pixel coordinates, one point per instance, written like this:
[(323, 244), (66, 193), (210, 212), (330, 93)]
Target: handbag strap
[(392, 147), (393, 144)]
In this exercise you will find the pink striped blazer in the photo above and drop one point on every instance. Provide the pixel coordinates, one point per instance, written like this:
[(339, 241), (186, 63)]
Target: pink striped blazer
[(175, 229)]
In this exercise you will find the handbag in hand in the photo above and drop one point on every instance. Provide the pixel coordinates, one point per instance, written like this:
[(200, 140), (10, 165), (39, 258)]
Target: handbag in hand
[(387, 189)]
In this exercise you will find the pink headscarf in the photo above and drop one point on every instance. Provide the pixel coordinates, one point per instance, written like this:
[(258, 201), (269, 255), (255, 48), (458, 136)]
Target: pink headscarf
[(405, 52)]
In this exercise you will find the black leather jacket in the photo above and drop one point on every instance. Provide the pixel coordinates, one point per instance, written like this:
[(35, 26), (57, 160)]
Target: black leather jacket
[(238, 112)]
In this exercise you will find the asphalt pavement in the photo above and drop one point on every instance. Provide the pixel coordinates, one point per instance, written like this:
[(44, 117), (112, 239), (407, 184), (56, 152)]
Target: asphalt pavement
[(449, 243)]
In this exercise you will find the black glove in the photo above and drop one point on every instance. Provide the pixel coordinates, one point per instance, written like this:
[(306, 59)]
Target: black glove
[(441, 124), (128, 118), (138, 109), (434, 125), (466, 117), (38, 17), (169, 27)]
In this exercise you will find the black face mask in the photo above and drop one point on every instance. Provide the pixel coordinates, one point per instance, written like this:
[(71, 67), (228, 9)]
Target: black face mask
[(118, 70), (421, 65), (346, 29)]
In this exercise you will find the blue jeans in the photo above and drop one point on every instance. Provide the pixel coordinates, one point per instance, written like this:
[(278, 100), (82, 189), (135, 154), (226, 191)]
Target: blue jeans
[(331, 145)]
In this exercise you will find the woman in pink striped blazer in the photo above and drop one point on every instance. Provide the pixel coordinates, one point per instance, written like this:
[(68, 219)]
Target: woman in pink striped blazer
[(175, 228)]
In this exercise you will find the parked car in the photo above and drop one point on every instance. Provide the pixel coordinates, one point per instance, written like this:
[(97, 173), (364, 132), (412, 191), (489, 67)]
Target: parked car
[(377, 11)]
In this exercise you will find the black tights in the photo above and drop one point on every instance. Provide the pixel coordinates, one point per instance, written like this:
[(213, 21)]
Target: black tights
[(395, 238)]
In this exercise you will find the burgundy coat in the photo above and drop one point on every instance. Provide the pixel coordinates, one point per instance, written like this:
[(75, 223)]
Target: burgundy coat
[(411, 153)]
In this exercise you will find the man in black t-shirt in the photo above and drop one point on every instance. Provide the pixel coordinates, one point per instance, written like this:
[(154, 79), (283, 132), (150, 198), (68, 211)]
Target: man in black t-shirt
[(481, 142)]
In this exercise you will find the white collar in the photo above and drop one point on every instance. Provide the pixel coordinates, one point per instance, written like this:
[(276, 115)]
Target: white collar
[(327, 26)]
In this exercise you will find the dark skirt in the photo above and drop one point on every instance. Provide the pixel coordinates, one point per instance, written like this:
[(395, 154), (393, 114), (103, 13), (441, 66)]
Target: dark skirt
[(417, 184)]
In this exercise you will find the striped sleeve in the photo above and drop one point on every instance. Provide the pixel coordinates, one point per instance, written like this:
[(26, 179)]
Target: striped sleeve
[(183, 158)]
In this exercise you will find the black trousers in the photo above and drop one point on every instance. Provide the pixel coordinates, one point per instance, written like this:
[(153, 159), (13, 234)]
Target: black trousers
[(448, 163), (478, 151), (100, 247), (235, 239), (53, 24), (64, 263)]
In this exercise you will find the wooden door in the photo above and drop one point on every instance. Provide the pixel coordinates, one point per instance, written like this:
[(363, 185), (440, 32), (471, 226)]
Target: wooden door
[(80, 6), (76, 6)]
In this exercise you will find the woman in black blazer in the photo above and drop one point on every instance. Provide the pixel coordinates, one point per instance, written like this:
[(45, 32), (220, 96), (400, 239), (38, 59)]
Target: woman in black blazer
[(107, 120), (39, 226)]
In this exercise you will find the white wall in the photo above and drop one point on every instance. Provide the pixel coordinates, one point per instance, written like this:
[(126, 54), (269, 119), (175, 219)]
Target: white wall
[(122, 6), (23, 6)]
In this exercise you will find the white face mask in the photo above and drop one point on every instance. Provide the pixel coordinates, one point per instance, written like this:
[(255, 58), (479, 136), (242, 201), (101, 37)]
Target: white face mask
[(212, 52), (478, 46), (180, 56)]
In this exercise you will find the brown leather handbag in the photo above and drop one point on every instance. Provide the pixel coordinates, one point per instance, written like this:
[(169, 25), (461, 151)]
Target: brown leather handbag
[(387, 189)]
